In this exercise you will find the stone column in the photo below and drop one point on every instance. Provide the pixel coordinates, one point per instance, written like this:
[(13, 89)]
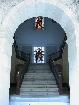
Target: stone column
[(5, 67), (75, 77)]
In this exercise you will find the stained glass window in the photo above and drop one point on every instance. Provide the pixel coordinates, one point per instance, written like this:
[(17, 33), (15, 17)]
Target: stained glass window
[(39, 50), (39, 22)]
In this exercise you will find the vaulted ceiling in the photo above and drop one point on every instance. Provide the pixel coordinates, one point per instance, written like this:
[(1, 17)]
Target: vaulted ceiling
[(53, 34)]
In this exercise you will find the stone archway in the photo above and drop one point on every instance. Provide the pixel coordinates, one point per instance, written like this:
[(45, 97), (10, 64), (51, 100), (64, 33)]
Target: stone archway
[(23, 11)]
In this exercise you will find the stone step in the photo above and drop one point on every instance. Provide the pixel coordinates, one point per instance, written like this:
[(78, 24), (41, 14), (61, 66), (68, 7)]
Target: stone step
[(37, 65), (19, 99), (38, 79), (38, 68), (38, 89), (39, 82), (39, 71), (39, 93), (38, 76), (39, 86), (32, 69), (41, 74), (41, 66)]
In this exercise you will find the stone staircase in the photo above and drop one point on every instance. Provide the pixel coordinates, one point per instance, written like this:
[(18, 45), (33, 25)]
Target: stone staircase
[(39, 82), (39, 87)]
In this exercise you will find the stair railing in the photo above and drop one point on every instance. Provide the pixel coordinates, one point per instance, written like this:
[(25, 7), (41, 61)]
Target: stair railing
[(57, 71), (21, 69)]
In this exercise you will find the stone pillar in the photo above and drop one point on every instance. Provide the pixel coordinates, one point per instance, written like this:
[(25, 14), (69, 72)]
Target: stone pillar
[(5, 66), (74, 86), (75, 77)]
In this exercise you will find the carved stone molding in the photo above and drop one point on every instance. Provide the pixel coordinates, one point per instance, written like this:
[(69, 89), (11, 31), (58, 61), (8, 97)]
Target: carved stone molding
[(6, 5)]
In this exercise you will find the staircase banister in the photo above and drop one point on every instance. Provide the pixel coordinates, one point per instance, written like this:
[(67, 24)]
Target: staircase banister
[(21, 69), (57, 71)]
